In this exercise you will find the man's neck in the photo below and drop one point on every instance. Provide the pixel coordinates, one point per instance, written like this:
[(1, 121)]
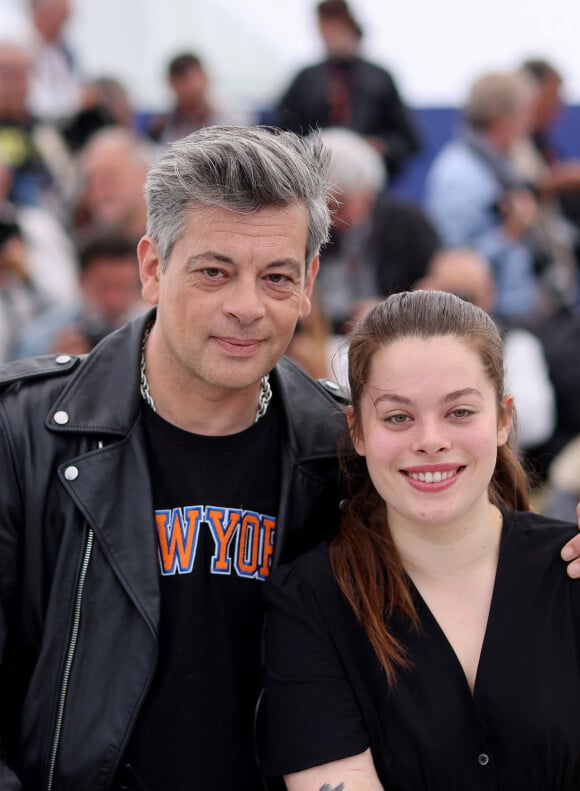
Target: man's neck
[(212, 417), (192, 404)]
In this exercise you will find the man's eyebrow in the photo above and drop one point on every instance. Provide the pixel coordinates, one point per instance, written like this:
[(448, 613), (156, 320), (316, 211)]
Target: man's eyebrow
[(212, 257), (297, 267), (208, 257), (453, 396)]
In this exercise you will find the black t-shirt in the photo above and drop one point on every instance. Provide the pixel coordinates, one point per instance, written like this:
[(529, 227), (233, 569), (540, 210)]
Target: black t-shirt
[(327, 698), (216, 508)]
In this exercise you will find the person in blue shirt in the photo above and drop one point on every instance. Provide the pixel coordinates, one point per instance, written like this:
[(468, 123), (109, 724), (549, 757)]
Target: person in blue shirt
[(475, 199)]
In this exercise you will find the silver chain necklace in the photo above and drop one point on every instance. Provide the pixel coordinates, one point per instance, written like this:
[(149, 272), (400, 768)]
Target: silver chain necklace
[(263, 399)]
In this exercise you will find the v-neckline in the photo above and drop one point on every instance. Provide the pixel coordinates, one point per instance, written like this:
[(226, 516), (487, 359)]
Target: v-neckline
[(427, 613)]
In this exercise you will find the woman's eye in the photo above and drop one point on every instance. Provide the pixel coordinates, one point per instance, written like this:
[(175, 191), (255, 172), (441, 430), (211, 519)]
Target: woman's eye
[(397, 419), (461, 413)]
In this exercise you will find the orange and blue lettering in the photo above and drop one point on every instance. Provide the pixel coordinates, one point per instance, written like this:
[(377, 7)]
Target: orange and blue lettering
[(178, 532), (248, 545), (222, 523), (267, 547)]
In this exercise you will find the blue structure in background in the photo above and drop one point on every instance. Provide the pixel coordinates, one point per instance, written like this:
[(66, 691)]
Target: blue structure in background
[(437, 125)]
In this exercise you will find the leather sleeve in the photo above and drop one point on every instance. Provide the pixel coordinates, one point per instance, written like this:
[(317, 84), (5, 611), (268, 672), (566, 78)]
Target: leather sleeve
[(11, 507)]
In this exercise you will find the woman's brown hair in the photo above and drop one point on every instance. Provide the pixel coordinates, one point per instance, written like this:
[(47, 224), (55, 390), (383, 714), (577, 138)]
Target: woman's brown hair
[(363, 555)]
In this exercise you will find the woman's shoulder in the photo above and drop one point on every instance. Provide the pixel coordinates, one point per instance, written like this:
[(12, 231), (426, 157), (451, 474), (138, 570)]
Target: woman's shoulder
[(308, 582), (309, 569), (537, 526), (535, 538)]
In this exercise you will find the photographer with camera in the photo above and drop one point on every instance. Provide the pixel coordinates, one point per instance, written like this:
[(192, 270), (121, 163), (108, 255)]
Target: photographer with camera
[(475, 199)]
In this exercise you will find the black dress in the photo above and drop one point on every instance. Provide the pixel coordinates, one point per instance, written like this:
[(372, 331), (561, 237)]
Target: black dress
[(327, 698)]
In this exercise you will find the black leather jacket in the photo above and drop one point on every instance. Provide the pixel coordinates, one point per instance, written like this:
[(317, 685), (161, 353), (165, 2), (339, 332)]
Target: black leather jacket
[(79, 598)]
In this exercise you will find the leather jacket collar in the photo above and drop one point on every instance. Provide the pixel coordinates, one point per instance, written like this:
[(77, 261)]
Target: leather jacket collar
[(103, 395)]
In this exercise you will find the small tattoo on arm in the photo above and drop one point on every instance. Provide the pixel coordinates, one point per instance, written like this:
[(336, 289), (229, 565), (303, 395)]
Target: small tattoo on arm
[(326, 787)]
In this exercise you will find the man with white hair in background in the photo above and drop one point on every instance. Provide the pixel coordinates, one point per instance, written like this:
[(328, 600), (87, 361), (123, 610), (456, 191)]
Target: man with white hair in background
[(380, 244), (358, 175), (113, 167)]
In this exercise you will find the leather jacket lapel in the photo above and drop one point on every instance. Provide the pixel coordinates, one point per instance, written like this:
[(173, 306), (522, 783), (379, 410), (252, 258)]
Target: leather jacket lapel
[(113, 492)]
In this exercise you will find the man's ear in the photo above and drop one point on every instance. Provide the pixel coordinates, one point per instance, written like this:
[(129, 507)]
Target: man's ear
[(308, 286), (149, 269), (505, 420), (355, 434)]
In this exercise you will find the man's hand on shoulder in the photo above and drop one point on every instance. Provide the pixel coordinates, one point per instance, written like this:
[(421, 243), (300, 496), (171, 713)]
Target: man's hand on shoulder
[(571, 551)]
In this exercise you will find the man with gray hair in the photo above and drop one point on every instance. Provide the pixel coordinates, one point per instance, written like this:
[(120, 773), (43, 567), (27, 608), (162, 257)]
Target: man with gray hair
[(149, 487)]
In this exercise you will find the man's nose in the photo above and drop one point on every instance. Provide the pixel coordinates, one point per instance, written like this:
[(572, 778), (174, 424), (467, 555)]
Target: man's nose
[(244, 301)]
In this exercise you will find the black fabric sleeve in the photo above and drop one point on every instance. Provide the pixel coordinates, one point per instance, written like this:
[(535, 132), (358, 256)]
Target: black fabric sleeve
[(308, 714)]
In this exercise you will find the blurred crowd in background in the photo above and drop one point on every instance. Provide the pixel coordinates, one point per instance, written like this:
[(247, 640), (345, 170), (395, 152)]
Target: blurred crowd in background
[(498, 220)]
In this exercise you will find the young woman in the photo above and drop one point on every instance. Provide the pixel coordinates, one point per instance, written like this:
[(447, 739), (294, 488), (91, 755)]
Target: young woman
[(435, 644)]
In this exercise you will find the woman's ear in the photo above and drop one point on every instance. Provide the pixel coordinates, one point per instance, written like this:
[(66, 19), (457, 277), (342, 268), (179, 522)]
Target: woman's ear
[(505, 420), (355, 434)]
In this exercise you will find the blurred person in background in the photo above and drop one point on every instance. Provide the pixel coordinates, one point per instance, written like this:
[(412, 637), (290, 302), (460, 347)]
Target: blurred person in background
[(560, 176), (20, 300), (193, 106), (39, 269), (312, 344), (563, 482), (379, 244), (113, 96), (55, 91), (110, 295), (32, 149), (347, 273), (550, 178), (348, 91), (560, 337), (105, 102), (112, 169), (475, 198)]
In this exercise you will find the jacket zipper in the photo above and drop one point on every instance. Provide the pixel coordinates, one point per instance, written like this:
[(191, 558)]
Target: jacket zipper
[(69, 659)]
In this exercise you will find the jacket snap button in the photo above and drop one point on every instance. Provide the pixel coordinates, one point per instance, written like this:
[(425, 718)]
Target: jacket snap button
[(61, 418), (483, 759), (62, 359), (72, 473)]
